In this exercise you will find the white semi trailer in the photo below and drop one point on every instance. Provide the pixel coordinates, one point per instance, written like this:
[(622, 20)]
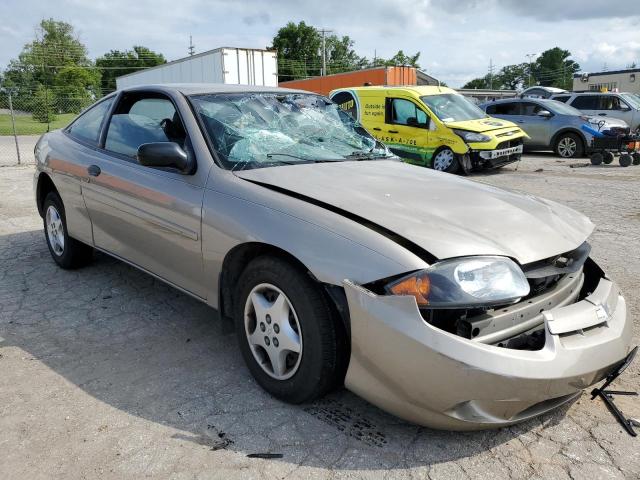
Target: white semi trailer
[(239, 66)]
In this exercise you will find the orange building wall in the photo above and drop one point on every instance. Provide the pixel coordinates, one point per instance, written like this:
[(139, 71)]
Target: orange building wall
[(357, 78)]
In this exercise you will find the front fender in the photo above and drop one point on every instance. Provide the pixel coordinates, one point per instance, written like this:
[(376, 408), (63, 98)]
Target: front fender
[(332, 247)]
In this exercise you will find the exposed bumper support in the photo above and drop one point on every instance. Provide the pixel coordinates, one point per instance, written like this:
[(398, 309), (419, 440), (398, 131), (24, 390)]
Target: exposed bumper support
[(423, 374)]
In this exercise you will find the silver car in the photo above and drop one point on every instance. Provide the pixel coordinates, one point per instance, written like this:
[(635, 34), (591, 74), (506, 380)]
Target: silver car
[(624, 106), (553, 125), (275, 208)]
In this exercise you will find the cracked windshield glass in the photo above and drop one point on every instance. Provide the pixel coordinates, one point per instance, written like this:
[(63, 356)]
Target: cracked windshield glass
[(265, 130)]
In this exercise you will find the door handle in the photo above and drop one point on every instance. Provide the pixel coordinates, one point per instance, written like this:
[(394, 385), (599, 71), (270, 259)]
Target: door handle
[(93, 170), (393, 131), (377, 129)]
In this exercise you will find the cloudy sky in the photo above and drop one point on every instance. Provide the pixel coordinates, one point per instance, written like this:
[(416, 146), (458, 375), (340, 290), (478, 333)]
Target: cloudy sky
[(457, 38)]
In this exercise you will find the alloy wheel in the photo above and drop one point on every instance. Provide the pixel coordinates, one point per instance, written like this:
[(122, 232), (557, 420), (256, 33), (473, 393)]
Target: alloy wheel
[(55, 230), (567, 147), (273, 331), (443, 160)]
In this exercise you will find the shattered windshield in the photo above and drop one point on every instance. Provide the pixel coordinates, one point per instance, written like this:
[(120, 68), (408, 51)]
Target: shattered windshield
[(254, 130), (453, 107)]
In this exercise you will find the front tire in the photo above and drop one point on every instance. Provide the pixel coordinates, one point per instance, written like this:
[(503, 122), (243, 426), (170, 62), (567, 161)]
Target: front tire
[(445, 161), (67, 252), (287, 333), (569, 145)]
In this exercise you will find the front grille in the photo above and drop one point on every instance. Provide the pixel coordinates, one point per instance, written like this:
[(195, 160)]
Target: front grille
[(509, 143)]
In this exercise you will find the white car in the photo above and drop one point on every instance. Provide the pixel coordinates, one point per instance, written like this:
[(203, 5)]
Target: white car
[(625, 106)]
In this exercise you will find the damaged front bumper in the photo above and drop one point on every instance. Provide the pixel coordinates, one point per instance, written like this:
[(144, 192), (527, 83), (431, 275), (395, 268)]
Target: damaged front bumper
[(423, 374)]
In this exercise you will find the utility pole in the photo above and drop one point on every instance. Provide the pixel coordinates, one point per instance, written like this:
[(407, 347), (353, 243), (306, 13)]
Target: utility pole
[(324, 31), (192, 47), (490, 74), (530, 56)]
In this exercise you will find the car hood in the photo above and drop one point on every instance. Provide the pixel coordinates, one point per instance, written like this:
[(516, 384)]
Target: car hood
[(444, 214), (482, 124)]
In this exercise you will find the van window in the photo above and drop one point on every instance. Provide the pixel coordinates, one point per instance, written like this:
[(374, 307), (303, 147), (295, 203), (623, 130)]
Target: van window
[(609, 102), (402, 110), (562, 98)]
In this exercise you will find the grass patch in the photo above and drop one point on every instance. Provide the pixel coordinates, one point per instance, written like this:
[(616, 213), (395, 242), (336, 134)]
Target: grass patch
[(26, 125)]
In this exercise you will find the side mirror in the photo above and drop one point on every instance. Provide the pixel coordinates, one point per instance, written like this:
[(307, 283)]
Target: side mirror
[(545, 113), (164, 154)]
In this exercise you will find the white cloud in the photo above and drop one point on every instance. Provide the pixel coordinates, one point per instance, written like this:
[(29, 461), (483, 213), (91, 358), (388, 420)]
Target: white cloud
[(457, 39)]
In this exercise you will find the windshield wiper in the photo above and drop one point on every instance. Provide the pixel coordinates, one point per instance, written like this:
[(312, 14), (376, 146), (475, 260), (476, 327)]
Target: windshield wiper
[(365, 156), (305, 160)]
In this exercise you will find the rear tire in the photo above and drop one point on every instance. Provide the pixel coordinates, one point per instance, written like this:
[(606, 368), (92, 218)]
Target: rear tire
[(279, 309), (625, 160), (608, 157), (596, 158), (569, 145), (67, 252), (636, 158)]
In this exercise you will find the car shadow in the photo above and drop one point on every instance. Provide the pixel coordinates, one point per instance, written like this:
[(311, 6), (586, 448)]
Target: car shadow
[(150, 351)]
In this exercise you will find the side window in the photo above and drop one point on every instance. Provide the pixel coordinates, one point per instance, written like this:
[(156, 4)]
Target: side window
[(405, 112), (508, 108), (586, 102), (609, 102), (562, 98), (530, 109), (139, 119), (87, 126)]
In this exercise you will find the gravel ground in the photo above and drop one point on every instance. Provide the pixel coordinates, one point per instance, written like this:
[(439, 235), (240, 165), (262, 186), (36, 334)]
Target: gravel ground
[(107, 373)]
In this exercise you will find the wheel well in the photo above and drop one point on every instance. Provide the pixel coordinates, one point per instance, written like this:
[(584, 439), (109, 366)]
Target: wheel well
[(45, 185), (554, 140), (239, 257)]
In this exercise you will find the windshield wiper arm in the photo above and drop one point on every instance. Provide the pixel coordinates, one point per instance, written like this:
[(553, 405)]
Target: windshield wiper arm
[(306, 160), (364, 156)]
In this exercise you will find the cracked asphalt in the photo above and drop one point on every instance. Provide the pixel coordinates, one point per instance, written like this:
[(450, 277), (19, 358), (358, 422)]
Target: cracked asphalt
[(108, 373)]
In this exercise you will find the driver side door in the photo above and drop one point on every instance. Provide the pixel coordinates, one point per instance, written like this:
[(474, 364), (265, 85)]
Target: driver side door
[(150, 217), (406, 130)]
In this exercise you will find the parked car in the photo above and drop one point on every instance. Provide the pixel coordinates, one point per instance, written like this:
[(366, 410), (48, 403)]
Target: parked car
[(447, 302), (433, 126), (624, 106), (539, 91), (553, 125)]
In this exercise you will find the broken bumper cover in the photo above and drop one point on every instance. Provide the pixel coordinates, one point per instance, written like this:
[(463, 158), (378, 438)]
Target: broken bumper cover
[(423, 374)]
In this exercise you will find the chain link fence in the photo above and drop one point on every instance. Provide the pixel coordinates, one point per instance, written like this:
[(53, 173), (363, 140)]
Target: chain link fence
[(26, 113)]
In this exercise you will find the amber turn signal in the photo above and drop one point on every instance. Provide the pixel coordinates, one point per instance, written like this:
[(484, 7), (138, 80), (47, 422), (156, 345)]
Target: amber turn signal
[(417, 285)]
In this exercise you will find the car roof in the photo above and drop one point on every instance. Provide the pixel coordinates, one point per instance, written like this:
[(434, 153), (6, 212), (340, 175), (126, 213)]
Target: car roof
[(420, 90), (204, 88), (520, 100)]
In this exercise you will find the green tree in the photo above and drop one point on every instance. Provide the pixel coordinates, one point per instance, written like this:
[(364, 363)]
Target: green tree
[(477, 83), (298, 49), (75, 88), (404, 60), (116, 63), (554, 68), (512, 77), (42, 105), (44, 68), (341, 57)]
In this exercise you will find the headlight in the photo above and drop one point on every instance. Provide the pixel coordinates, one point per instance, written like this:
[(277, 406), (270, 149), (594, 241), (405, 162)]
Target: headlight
[(472, 137), (481, 281)]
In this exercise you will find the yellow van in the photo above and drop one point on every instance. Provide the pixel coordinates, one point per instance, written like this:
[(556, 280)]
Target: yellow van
[(433, 126)]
